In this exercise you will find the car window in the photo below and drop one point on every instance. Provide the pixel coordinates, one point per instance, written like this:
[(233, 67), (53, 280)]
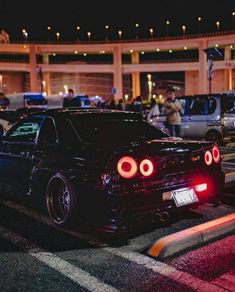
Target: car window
[(47, 133), (25, 131), (228, 104), (198, 106), (100, 130), (211, 105)]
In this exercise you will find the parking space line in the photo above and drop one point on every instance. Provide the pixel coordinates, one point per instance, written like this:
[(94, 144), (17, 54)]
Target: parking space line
[(144, 261), (163, 269), (43, 219), (72, 272)]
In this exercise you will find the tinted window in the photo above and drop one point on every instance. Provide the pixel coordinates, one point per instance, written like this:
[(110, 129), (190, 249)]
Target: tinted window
[(211, 105), (228, 104), (25, 131), (47, 132), (111, 131), (198, 106)]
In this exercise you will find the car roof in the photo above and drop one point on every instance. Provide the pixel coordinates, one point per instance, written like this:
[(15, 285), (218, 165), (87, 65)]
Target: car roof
[(59, 112)]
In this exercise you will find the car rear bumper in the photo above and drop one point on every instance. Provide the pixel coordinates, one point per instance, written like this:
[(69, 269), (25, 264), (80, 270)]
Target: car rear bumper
[(146, 203)]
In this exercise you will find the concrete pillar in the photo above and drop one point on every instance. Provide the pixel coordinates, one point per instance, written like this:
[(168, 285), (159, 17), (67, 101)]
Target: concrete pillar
[(203, 80), (46, 76), (227, 54), (135, 58), (228, 79), (228, 72), (117, 78), (33, 68)]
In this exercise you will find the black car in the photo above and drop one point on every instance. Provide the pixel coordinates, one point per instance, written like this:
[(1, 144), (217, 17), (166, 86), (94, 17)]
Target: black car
[(106, 168)]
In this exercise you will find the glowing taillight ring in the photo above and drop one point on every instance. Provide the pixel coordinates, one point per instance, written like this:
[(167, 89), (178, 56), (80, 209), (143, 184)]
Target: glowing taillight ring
[(208, 158), (146, 167), (127, 167), (216, 154)]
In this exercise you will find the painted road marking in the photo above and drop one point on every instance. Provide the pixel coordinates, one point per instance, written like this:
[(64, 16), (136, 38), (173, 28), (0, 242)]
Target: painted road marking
[(72, 272), (32, 214), (173, 243), (163, 269), (144, 261)]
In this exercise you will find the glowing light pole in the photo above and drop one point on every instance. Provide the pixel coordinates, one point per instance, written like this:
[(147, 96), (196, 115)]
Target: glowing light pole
[(233, 21), (218, 25), (48, 33), (199, 24), (107, 32), (167, 27), (78, 31), (89, 35), (120, 34), (151, 32), (136, 30), (58, 36)]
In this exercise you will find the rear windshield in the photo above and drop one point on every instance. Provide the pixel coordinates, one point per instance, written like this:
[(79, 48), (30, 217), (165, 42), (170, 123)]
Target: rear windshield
[(111, 131)]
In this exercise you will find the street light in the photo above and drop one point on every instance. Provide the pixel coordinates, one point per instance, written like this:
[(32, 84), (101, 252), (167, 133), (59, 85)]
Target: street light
[(48, 33), (106, 32), (233, 17), (78, 30), (89, 35), (218, 25), (199, 24), (120, 34), (57, 36), (25, 34), (151, 32), (136, 30), (184, 29), (167, 27)]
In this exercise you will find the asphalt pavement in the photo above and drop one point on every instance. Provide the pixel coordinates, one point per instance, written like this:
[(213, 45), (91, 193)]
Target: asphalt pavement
[(36, 256)]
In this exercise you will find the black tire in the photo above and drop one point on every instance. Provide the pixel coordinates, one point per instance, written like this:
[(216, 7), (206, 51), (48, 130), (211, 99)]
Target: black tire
[(214, 136), (61, 201)]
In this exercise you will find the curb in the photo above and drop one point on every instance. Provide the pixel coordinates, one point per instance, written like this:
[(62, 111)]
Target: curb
[(188, 238)]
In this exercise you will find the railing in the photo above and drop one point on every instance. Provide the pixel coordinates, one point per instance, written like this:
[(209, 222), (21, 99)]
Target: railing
[(160, 38)]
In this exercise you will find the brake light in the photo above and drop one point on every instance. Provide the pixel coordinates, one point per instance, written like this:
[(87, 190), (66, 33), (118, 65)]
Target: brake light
[(201, 187), (146, 167), (216, 154), (127, 167), (208, 158)]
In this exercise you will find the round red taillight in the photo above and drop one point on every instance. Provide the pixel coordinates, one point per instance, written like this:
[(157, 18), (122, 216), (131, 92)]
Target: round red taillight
[(146, 167), (127, 167), (208, 158), (216, 154)]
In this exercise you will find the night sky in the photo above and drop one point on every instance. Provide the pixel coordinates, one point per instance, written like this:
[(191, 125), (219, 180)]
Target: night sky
[(65, 16)]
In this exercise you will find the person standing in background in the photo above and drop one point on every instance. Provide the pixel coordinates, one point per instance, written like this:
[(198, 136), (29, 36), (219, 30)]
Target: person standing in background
[(173, 111), (153, 113)]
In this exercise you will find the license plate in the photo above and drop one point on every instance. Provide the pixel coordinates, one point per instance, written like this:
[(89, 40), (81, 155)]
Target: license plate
[(184, 197)]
